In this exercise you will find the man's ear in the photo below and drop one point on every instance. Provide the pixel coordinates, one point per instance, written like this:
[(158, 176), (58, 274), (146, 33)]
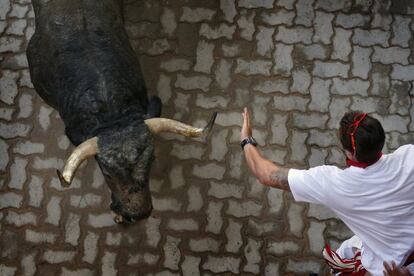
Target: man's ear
[(350, 155)]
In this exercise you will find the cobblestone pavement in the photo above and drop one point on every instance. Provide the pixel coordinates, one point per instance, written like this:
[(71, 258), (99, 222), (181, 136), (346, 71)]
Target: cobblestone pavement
[(299, 65)]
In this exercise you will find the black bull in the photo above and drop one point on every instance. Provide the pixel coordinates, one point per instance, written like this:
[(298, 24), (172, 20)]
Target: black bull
[(82, 64)]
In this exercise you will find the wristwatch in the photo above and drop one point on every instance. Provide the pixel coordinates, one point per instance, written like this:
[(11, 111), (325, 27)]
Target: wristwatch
[(248, 140)]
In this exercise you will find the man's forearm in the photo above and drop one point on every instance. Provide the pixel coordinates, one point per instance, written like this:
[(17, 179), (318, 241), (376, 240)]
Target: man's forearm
[(266, 171)]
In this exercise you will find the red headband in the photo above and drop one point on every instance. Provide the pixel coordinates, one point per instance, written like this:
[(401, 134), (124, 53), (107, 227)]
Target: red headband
[(353, 128)]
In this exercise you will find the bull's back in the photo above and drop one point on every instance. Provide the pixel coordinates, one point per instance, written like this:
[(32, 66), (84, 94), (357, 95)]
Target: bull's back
[(81, 62)]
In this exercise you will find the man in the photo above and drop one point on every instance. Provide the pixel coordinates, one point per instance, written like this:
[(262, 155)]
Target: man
[(374, 196)]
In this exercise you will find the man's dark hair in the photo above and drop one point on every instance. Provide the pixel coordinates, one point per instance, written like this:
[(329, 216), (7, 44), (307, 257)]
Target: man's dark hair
[(369, 136)]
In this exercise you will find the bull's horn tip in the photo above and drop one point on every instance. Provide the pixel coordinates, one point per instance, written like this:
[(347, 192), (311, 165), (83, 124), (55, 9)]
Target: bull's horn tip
[(211, 122), (63, 181)]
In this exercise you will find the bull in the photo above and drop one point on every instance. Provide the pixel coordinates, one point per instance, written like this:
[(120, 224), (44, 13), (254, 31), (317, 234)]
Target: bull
[(82, 64)]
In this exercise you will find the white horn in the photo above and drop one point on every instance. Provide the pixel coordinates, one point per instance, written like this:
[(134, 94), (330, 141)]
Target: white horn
[(81, 153), (157, 125)]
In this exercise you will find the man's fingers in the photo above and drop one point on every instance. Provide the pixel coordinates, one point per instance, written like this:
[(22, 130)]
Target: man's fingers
[(387, 266)]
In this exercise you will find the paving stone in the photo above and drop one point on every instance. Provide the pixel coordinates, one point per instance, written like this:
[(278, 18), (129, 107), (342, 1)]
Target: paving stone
[(176, 177), (231, 49), (204, 244), (211, 170), (8, 86), (252, 4), (102, 220), (305, 13), (244, 209), (277, 18), (166, 204), (190, 265), (225, 190), (294, 35), (317, 157), (322, 138), (211, 102), (187, 151), (261, 228), (113, 239), (272, 269), (315, 237), (182, 224), (223, 73), (44, 117), (361, 62), (205, 57), (404, 73), (18, 11), (4, 155), (264, 40), (28, 265), (194, 15), (108, 264), (214, 219), (193, 82), (400, 101), (282, 247), (28, 147), (382, 21), (7, 270), (175, 64), (394, 123), (330, 69), (168, 21), (341, 44), (10, 199), (320, 94), (275, 201), (323, 27), (321, 212), (401, 31), (40, 237), (54, 211), (219, 31), (298, 148), (380, 84), (228, 7), (391, 55), (4, 9), (259, 110), (158, 47), (25, 79), (50, 163), (301, 81), (283, 62), (90, 247), (16, 27), (350, 87), (87, 200), (352, 20), (195, 199), (172, 253), (253, 67), (303, 266), (181, 102), (25, 106), (218, 145), (246, 24), (337, 109), (290, 103), (370, 37), (272, 86), (312, 52), (146, 258), (18, 173), (256, 189), (77, 272), (333, 5), (233, 234), (336, 157), (10, 44), (222, 264), (72, 229), (164, 88), (279, 129), (310, 120), (6, 113), (19, 219), (252, 254), (295, 214), (35, 191)]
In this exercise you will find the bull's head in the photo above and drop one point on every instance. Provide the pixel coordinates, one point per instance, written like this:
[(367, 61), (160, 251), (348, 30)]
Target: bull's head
[(125, 155)]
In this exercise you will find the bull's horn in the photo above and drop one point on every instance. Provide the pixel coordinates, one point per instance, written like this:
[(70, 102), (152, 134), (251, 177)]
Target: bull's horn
[(82, 152), (157, 125)]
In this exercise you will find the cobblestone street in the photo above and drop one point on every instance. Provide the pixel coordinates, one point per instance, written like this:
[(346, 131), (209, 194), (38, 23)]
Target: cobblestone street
[(297, 64)]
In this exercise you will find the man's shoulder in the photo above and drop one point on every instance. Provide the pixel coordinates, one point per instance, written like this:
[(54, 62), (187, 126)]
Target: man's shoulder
[(404, 149)]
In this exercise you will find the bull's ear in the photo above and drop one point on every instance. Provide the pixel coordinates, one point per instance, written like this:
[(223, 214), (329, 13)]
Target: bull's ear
[(157, 125), (82, 152)]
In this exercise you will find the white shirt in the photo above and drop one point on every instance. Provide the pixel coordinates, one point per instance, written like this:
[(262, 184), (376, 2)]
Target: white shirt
[(376, 203)]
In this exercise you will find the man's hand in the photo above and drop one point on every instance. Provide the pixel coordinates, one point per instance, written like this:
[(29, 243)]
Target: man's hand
[(246, 130), (394, 270)]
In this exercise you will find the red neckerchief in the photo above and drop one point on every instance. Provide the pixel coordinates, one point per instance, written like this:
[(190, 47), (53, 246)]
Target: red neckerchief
[(363, 165)]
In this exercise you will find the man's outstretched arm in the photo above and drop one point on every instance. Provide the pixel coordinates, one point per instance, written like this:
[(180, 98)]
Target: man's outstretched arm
[(267, 172)]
